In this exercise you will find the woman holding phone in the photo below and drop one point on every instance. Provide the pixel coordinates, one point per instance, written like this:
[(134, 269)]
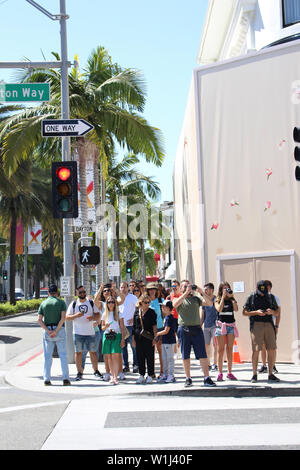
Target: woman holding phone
[(226, 306), (113, 338)]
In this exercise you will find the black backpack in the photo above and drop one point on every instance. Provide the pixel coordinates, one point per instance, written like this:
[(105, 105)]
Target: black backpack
[(91, 302)]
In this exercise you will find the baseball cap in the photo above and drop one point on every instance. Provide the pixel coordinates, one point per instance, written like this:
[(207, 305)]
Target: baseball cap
[(167, 303), (52, 288), (262, 287)]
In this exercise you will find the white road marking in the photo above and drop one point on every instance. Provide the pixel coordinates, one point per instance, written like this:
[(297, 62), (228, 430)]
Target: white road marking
[(82, 425), (34, 405)]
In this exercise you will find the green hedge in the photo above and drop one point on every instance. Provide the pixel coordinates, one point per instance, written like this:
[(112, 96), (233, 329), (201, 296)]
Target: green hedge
[(21, 306)]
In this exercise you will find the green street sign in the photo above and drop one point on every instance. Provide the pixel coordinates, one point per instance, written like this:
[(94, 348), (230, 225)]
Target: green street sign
[(19, 92)]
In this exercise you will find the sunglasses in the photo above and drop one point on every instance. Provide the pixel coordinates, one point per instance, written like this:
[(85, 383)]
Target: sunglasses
[(111, 302), (136, 290), (106, 290), (81, 292), (146, 302)]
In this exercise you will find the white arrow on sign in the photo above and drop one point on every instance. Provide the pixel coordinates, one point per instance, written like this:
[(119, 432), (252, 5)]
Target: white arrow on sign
[(65, 127)]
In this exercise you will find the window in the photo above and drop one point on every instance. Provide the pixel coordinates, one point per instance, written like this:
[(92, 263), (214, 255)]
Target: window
[(290, 12)]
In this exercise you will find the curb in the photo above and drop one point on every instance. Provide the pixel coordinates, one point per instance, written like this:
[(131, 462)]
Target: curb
[(14, 315), (232, 392)]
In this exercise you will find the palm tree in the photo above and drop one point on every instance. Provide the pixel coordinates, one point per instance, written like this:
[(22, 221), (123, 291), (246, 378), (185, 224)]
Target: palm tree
[(125, 181), (21, 197), (107, 96)]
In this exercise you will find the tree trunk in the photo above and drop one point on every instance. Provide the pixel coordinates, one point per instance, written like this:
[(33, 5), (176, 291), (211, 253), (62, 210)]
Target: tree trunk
[(52, 259), (97, 208), (37, 275), (143, 264), (12, 256), (83, 201)]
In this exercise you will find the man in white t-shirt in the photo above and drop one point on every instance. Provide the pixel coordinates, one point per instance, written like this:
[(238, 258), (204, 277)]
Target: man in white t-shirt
[(127, 309), (84, 313)]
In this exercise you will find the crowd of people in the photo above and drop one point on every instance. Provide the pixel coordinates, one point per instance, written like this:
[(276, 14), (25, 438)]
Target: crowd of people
[(150, 318)]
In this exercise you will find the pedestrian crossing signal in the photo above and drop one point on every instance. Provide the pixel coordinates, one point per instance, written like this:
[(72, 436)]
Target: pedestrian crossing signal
[(5, 276), (89, 255), (64, 190)]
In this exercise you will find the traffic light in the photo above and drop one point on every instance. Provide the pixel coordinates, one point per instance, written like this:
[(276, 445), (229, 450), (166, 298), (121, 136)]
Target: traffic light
[(5, 276), (296, 135), (64, 190), (128, 267)]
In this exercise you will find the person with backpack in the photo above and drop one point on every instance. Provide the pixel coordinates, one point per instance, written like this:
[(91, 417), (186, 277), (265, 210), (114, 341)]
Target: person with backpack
[(84, 313), (260, 307)]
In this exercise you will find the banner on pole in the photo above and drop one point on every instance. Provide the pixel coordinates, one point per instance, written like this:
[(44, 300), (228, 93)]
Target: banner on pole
[(35, 239)]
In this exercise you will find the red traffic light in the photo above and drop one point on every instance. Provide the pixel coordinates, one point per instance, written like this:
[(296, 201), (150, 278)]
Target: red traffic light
[(63, 173)]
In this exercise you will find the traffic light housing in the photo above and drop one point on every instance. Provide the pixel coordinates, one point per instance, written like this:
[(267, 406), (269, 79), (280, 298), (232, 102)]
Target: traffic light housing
[(64, 190), (5, 276), (128, 267), (296, 135)]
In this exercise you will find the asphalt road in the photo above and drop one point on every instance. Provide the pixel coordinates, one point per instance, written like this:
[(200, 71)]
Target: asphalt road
[(32, 420), (26, 418)]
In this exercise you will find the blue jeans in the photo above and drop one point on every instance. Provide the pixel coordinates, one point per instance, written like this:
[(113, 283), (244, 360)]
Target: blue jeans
[(48, 346), (98, 336), (125, 350)]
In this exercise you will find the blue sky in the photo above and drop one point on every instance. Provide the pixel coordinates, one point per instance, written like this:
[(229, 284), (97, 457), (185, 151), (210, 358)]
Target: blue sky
[(158, 37)]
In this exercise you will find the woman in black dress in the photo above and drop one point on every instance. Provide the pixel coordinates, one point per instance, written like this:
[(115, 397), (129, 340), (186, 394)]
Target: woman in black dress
[(144, 331)]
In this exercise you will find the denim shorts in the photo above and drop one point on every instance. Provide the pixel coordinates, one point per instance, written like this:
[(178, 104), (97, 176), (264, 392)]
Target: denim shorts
[(229, 331), (85, 342), (188, 341)]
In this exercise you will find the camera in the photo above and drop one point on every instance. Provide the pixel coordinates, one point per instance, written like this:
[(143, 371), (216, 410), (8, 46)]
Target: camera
[(194, 287), (229, 291)]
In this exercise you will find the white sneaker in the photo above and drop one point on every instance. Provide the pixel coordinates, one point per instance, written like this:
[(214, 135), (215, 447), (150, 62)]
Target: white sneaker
[(140, 380), (170, 379), (106, 377), (162, 379), (149, 380), (122, 376)]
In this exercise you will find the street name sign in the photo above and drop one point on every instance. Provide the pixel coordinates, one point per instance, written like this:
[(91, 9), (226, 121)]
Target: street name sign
[(19, 92), (65, 127), (85, 228)]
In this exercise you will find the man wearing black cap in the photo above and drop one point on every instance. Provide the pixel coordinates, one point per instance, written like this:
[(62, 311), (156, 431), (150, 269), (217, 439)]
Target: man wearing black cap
[(260, 307), (51, 317)]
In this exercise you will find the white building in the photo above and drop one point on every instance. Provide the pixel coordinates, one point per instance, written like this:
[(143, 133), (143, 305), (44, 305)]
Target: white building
[(236, 199)]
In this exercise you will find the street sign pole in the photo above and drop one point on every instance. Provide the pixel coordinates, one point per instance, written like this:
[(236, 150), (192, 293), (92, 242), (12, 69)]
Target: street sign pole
[(66, 154)]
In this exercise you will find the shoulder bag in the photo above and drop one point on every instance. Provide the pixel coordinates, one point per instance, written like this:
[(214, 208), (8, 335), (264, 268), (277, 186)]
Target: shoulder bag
[(144, 333)]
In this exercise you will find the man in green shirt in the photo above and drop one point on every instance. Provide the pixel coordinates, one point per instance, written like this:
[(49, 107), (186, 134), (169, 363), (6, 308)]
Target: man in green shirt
[(51, 317), (189, 331)]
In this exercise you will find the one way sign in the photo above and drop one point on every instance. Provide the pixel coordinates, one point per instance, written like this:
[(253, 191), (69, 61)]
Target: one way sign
[(65, 127)]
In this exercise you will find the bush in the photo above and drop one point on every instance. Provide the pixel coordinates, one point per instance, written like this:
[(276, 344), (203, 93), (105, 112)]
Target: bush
[(21, 306)]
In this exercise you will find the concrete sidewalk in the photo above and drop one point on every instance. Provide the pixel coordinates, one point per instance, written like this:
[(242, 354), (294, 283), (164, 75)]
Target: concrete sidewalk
[(28, 371)]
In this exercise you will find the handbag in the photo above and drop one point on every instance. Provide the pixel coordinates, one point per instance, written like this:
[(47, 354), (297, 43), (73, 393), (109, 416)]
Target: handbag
[(111, 335), (144, 333)]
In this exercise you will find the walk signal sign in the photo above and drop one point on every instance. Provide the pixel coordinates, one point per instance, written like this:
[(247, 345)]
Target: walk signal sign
[(5, 276), (64, 190), (89, 255)]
